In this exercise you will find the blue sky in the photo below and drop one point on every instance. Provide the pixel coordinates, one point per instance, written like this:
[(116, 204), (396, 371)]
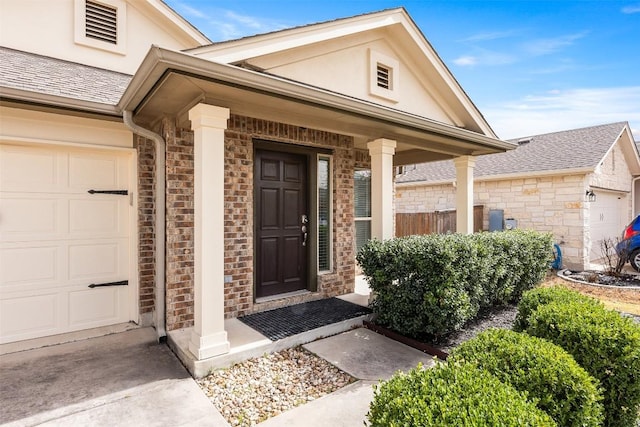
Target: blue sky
[(530, 66)]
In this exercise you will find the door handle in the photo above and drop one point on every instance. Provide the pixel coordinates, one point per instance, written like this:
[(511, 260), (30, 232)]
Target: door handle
[(305, 235)]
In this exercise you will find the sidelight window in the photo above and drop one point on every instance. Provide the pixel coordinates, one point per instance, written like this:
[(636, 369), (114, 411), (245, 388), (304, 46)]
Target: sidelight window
[(362, 214), (324, 213)]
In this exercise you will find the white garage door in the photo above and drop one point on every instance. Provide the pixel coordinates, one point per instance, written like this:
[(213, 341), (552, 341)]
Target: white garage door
[(56, 240), (607, 220)]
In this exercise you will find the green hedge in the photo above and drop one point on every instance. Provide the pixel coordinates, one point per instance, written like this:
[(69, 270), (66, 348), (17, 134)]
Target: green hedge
[(534, 298), (550, 376), (451, 395), (605, 344), (432, 285)]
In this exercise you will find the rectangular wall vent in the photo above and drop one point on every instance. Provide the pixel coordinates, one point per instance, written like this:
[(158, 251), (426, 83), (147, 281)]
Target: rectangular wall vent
[(384, 77), (101, 22)]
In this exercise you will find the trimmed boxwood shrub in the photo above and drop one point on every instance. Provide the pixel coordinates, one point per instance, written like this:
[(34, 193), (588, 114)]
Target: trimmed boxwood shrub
[(534, 298), (550, 376), (605, 344), (451, 395), (432, 285)]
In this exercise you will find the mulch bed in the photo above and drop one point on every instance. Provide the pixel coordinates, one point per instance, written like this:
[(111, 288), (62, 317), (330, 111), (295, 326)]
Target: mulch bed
[(601, 278)]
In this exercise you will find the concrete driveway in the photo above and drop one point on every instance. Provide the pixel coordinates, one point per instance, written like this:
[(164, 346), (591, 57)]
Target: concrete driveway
[(124, 379)]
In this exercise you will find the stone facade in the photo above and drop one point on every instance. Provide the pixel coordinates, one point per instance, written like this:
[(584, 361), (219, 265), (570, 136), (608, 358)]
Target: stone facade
[(238, 228), (550, 203)]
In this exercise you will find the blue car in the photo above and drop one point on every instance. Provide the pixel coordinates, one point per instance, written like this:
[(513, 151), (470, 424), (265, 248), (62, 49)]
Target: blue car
[(629, 246)]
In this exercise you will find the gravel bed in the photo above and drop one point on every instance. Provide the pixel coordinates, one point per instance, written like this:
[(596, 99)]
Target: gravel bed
[(260, 388)]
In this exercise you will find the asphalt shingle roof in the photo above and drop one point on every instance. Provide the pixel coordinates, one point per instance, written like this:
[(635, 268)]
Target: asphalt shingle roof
[(42, 74), (571, 149)]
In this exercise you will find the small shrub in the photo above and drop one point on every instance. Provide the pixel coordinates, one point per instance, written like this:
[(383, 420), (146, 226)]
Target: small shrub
[(429, 286), (534, 298), (550, 376), (605, 344), (451, 395)]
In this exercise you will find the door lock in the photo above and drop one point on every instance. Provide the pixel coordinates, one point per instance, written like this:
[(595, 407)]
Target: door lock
[(304, 219)]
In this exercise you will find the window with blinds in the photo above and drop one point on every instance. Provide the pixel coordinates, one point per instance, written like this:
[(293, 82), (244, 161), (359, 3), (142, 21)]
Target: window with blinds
[(324, 213), (362, 203)]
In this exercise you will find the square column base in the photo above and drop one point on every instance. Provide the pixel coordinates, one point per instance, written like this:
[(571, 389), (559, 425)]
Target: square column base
[(204, 347)]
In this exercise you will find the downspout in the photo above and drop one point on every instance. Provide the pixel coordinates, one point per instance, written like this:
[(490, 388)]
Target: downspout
[(160, 229), (634, 196)]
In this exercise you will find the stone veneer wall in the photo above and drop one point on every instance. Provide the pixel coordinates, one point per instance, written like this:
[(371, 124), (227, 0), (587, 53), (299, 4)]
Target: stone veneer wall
[(238, 226), (550, 204)]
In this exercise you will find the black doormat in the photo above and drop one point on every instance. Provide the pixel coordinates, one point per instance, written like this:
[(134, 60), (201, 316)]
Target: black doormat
[(287, 321)]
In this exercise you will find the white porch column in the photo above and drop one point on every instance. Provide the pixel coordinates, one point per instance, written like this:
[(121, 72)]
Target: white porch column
[(381, 152), (464, 193), (209, 337)]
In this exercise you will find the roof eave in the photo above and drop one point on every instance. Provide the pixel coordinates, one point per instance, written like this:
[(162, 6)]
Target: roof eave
[(159, 60), (37, 98), (503, 177)]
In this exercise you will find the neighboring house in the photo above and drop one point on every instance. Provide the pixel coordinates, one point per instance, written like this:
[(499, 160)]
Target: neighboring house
[(545, 184), (223, 172)]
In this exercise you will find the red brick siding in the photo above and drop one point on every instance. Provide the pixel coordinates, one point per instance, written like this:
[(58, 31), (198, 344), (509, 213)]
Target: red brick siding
[(180, 223), (238, 229), (146, 224)]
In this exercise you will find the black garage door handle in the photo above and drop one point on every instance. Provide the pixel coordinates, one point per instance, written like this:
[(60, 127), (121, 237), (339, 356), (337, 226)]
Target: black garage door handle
[(99, 285)]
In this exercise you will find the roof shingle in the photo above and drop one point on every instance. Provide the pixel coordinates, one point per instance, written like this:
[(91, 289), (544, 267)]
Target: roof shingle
[(50, 76), (571, 149)]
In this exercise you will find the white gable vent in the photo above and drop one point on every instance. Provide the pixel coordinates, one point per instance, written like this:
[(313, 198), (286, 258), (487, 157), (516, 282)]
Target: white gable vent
[(384, 77), (101, 22)]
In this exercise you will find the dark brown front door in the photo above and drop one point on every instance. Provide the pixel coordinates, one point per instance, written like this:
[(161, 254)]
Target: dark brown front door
[(281, 214)]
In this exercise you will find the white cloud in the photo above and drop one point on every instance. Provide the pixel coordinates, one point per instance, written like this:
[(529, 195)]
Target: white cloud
[(224, 24), (465, 61), (484, 57), (490, 35), (550, 45), (631, 9), (565, 109)]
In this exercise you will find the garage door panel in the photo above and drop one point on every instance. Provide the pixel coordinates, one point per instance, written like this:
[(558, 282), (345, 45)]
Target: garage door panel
[(29, 316), (606, 220), (56, 240), (22, 215), (28, 169), (23, 266), (94, 307), (98, 215), (93, 171), (97, 261)]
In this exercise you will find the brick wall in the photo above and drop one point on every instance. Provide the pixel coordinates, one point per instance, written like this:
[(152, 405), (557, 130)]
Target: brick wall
[(146, 229), (238, 228)]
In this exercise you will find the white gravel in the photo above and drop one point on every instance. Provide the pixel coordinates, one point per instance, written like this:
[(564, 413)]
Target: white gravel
[(256, 389)]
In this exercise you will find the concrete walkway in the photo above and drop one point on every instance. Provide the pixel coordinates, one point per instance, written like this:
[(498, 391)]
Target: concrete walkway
[(123, 379), (363, 354)]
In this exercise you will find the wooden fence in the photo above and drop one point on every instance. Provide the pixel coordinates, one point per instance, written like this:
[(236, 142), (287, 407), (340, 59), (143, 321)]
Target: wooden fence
[(408, 224)]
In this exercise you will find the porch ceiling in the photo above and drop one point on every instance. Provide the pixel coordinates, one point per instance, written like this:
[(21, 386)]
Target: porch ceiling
[(170, 83)]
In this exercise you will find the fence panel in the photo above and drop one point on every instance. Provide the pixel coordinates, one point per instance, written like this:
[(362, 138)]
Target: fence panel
[(441, 222)]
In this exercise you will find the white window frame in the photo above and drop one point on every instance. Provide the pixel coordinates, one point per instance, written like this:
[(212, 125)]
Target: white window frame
[(328, 158), (393, 65), (80, 8), (361, 218)]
